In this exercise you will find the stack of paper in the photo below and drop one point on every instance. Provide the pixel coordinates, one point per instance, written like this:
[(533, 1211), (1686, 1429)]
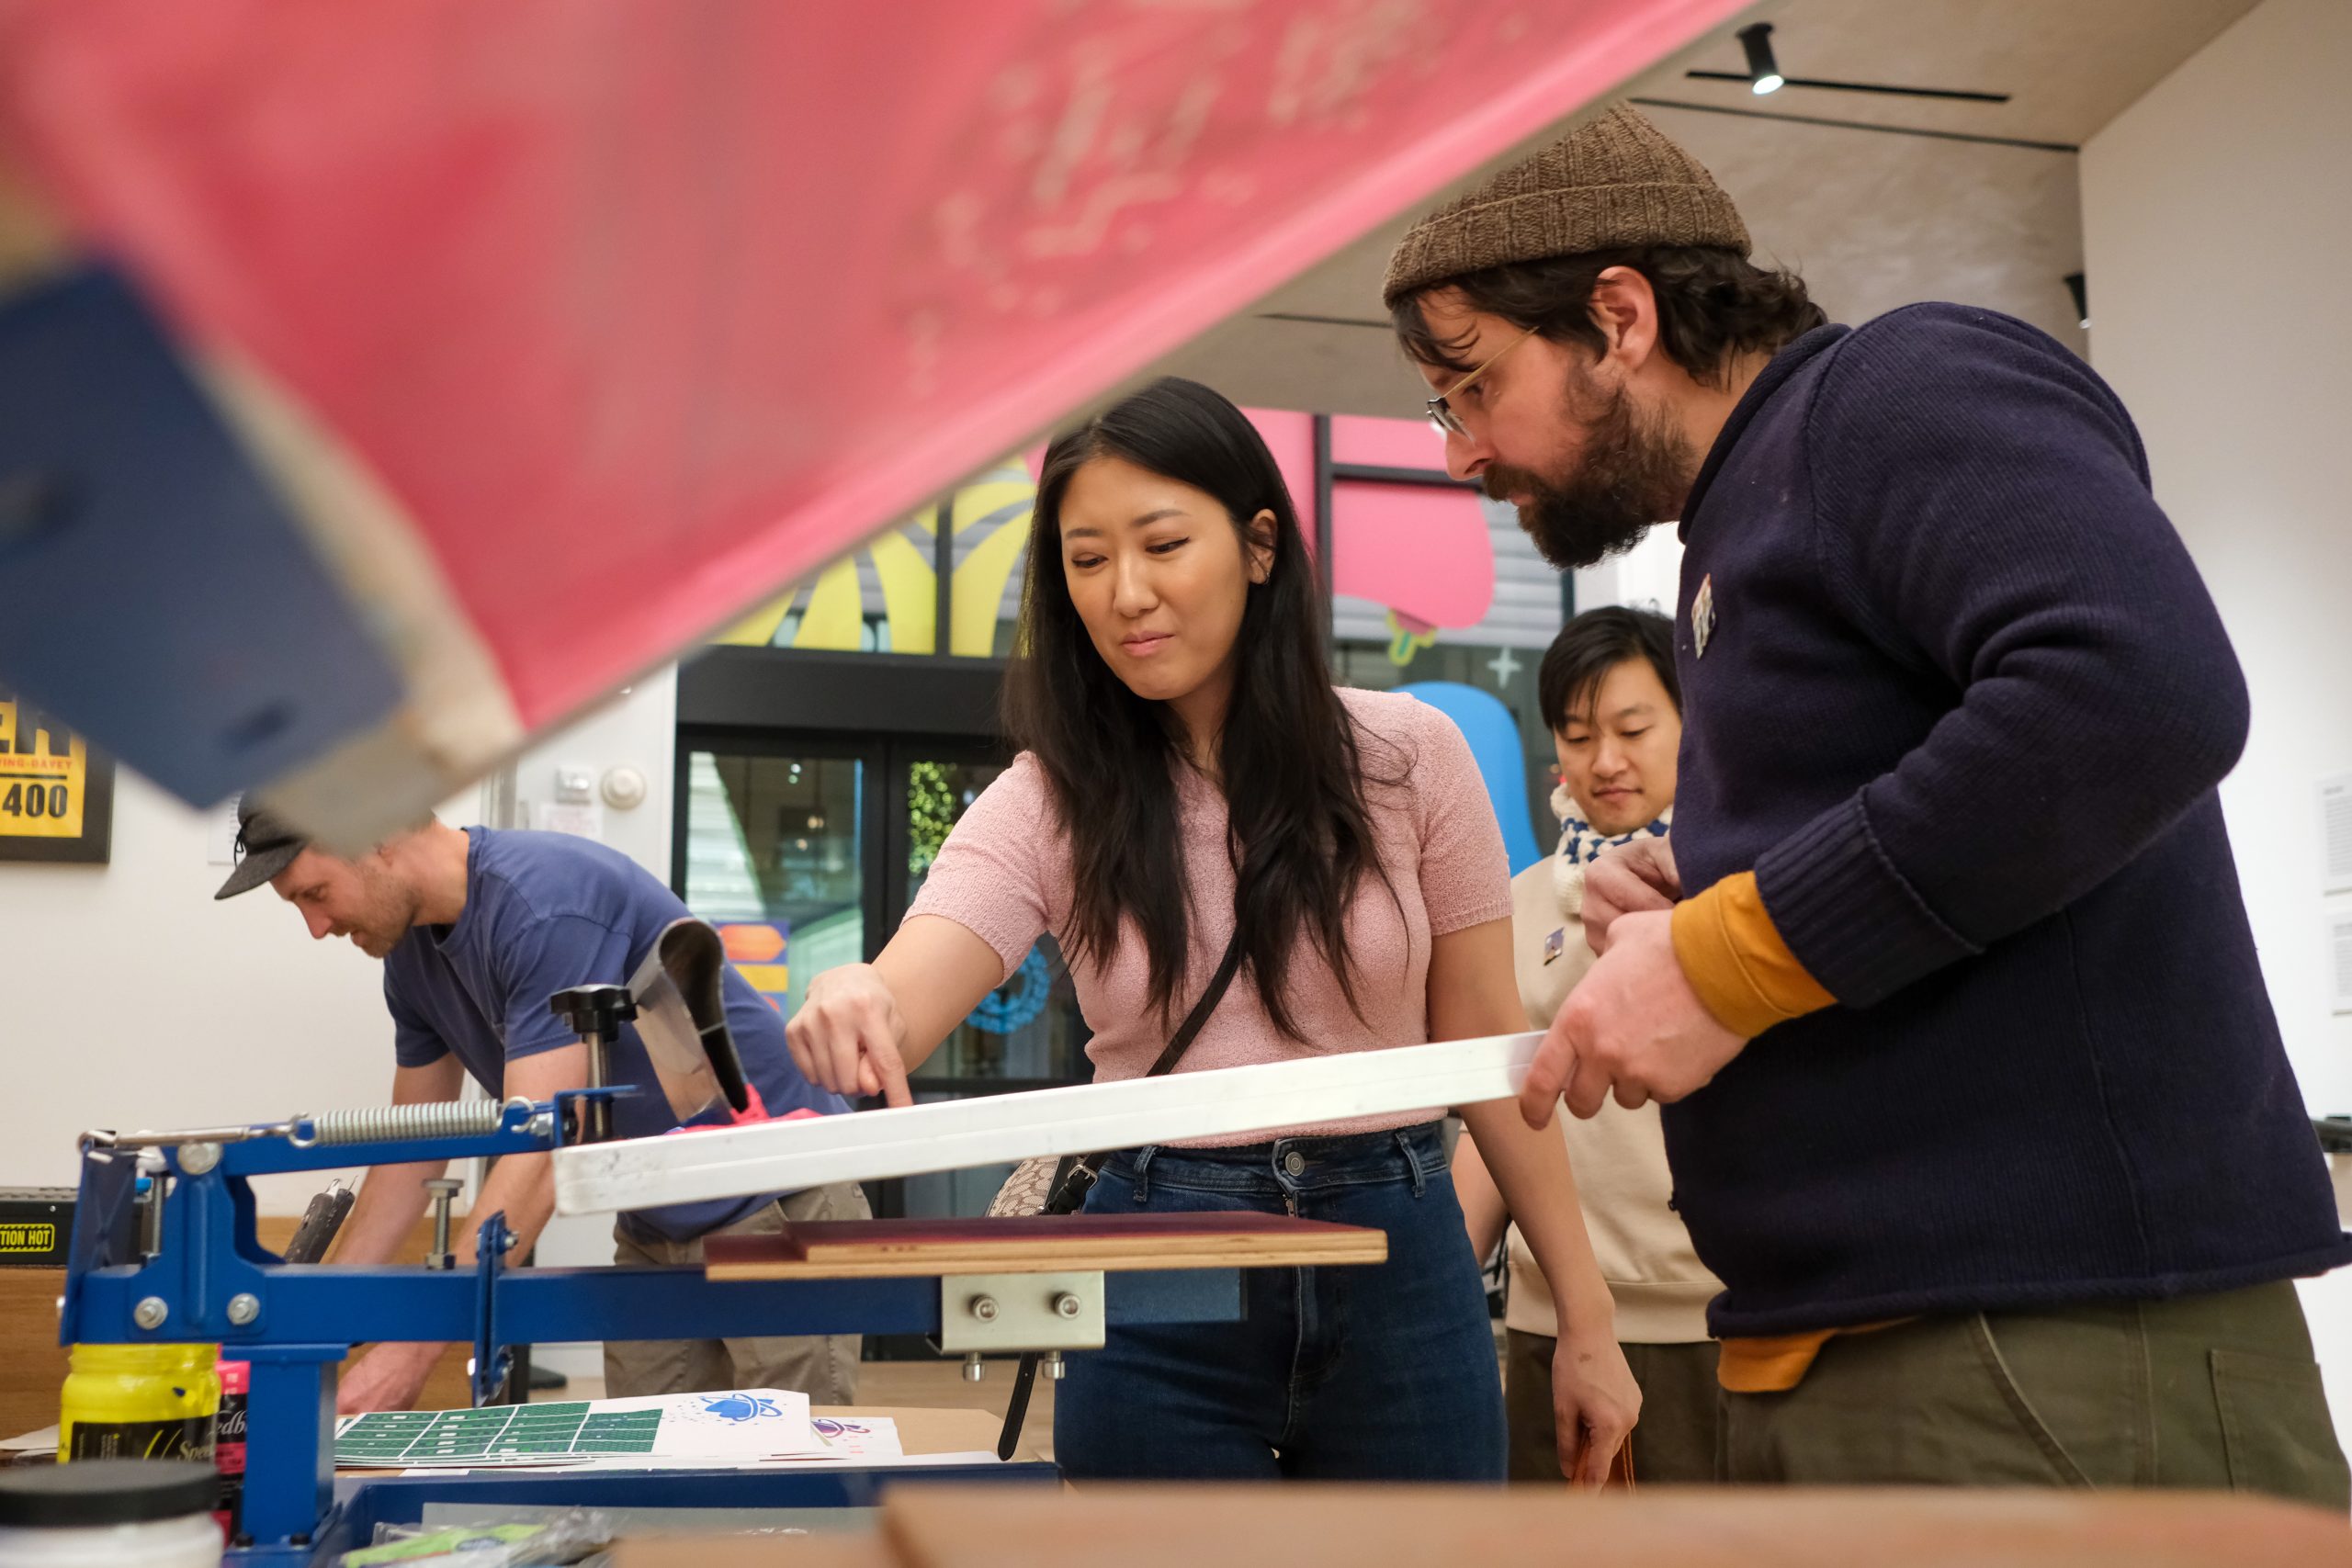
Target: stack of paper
[(845, 1443), (731, 1426)]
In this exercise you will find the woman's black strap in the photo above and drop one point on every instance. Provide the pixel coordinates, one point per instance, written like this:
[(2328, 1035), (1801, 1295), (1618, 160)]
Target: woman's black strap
[(1228, 966)]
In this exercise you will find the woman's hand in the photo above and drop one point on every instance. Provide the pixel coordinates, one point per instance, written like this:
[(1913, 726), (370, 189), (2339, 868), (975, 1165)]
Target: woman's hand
[(849, 1035), (1595, 1402)]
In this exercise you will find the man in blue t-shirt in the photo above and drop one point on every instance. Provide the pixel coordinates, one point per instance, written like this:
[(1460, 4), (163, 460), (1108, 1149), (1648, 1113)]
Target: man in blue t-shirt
[(478, 928)]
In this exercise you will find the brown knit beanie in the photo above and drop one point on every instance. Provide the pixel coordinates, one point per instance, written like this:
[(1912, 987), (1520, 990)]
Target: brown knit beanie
[(1614, 181)]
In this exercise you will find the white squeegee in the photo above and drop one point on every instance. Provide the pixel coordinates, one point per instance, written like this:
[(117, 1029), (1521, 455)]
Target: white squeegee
[(789, 1156)]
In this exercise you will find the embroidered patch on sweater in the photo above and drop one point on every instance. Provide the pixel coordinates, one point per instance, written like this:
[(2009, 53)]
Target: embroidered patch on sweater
[(1702, 616)]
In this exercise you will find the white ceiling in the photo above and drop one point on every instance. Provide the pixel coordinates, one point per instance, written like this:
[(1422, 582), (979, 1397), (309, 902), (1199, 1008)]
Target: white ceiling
[(1873, 219)]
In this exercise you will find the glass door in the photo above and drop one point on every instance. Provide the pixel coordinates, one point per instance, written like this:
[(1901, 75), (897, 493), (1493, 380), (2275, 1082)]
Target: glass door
[(1026, 1033), (776, 848), (806, 850)]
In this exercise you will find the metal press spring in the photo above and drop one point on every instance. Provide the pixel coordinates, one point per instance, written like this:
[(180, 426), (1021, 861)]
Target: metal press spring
[(438, 1119), (387, 1123)]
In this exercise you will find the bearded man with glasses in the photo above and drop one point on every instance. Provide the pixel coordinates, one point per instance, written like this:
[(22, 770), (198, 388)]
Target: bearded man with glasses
[(1973, 1097)]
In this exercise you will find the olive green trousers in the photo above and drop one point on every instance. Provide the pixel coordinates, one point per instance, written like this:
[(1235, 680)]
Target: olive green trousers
[(2216, 1391)]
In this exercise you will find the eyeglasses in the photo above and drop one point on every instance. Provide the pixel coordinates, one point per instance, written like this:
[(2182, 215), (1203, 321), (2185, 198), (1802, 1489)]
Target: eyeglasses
[(1441, 414)]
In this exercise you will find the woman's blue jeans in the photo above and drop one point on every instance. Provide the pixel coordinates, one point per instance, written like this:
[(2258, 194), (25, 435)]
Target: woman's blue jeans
[(1375, 1372)]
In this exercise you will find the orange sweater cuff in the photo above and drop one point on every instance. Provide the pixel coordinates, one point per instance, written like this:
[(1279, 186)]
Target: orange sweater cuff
[(1775, 1363), (1734, 957)]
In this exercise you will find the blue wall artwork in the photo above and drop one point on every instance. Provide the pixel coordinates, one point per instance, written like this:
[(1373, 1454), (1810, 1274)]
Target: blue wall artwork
[(1494, 742)]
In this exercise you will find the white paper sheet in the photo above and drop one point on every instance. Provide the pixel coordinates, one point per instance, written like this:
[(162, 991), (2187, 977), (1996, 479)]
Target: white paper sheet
[(721, 1427), (845, 1442)]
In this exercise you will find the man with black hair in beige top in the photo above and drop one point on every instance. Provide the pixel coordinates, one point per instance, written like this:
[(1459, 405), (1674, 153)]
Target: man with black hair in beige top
[(1608, 693)]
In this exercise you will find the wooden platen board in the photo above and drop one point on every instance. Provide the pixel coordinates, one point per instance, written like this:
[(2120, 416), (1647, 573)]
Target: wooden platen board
[(838, 1250)]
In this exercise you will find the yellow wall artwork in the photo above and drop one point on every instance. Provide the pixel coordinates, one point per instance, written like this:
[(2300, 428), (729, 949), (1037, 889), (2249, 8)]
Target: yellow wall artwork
[(56, 790), (991, 518)]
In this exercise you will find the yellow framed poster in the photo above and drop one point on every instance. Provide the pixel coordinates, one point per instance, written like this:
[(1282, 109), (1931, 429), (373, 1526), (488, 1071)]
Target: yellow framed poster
[(56, 789)]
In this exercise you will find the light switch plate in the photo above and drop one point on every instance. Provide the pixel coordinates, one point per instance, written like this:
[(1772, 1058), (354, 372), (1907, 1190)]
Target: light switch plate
[(574, 785)]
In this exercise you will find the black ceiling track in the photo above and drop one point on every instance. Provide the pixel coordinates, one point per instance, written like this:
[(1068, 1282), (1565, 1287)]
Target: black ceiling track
[(1859, 125), (1742, 77), (1314, 320)]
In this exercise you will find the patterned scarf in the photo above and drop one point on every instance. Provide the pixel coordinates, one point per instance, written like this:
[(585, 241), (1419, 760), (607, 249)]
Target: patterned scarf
[(1580, 845)]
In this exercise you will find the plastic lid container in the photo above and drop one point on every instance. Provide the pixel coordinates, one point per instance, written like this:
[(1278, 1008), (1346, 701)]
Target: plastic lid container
[(101, 1513)]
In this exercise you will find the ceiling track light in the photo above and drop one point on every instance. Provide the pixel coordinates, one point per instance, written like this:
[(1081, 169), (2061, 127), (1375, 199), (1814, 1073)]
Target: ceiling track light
[(2081, 295), (1763, 72), (1763, 75)]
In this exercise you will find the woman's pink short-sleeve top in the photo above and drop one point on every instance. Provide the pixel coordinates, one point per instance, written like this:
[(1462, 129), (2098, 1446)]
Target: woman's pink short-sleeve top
[(1004, 874)]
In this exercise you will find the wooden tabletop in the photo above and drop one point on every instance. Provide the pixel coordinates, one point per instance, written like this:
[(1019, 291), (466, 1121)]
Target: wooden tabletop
[(837, 1250), (1413, 1526)]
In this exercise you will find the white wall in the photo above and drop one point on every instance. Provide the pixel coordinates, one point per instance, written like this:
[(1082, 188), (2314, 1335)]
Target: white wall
[(1645, 578), (2217, 216), (638, 730), (133, 999)]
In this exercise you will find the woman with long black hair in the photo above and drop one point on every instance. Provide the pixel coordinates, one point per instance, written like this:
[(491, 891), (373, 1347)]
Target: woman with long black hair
[(1187, 772)]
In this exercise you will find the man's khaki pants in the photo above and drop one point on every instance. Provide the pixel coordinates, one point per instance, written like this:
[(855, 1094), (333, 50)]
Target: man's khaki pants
[(2213, 1391), (824, 1367)]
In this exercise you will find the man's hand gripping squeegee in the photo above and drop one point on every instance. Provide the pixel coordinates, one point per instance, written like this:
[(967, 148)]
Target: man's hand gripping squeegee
[(788, 1156)]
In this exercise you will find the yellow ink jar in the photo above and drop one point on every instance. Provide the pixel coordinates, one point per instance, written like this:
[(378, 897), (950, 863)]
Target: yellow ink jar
[(141, 1401)]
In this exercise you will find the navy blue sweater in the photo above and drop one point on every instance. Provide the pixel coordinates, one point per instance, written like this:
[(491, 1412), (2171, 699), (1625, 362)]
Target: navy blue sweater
[(1962, 708)]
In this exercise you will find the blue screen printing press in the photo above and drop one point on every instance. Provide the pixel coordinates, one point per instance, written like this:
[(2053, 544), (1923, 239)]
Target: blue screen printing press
[(175, 1259)]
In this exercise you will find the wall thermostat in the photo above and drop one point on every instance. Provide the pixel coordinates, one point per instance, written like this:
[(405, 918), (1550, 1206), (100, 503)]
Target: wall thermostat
[(624, 788)]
